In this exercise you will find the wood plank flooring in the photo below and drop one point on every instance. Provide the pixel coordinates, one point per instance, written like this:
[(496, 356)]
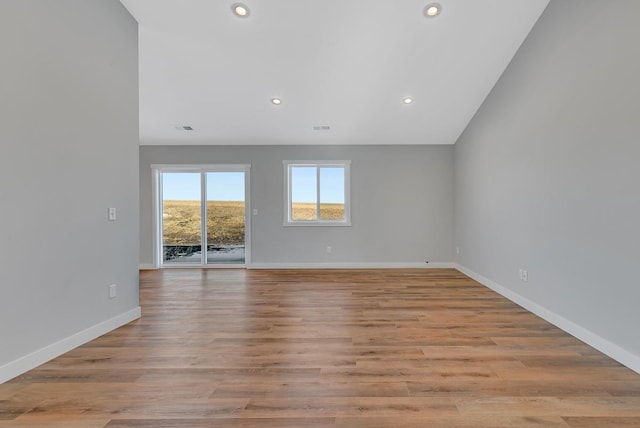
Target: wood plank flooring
[(329, 348)]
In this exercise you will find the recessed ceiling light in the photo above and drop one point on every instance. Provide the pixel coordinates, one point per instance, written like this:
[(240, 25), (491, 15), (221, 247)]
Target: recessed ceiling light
[(276, 101), (240, 10), (407, 100), (432, 9)]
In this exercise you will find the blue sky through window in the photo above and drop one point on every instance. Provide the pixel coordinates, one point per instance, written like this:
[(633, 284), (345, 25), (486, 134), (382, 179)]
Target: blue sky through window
[(185, 186), (304, 184), (225, 186), (332, 185), (229, 186)]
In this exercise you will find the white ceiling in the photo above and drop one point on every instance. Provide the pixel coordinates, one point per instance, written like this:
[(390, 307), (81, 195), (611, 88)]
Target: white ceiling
[(347, 64)]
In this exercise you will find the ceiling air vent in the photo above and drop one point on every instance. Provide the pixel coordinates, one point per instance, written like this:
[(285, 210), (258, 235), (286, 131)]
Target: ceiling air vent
[(321, 128), (184, 128)]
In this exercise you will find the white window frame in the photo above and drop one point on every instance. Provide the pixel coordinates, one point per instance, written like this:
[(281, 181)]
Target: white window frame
[(288, 164)]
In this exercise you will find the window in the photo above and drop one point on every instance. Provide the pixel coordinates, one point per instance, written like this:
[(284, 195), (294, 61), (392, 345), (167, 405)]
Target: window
[(317, 193)]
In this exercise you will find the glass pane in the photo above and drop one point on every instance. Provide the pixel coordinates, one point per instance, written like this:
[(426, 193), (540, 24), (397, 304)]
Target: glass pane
[(181, 218), (304, 192), (225, 217), (332, 193)]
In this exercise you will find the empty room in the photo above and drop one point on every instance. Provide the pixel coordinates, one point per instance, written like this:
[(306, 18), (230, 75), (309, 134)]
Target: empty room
[(319, 213)]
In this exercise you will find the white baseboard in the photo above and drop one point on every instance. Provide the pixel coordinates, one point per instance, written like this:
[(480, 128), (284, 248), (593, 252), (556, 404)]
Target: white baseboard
[(587, 336), (147, 266), (410, 265), (384, 265), (41, 356)]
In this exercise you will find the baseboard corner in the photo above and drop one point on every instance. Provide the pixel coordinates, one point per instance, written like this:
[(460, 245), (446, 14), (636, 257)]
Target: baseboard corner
[(147, 266)]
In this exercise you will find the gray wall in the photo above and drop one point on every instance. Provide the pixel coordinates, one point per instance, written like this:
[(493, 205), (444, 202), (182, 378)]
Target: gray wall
[(402, 202), (548, 172), (68, 151)]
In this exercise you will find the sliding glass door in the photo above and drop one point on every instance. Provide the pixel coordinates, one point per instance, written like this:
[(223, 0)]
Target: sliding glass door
[(202, 215), (181, 218), (225, 217)]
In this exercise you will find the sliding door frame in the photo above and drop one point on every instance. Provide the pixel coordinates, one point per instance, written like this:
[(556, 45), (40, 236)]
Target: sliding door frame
[(203, 169)]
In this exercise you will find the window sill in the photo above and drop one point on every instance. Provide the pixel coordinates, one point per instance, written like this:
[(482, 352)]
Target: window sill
[(317, 224)]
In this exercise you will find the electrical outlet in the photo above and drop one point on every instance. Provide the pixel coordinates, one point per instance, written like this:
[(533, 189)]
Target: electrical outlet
[(457, 250), (112, 214), (329, 249), (525, 275), (113, 291)]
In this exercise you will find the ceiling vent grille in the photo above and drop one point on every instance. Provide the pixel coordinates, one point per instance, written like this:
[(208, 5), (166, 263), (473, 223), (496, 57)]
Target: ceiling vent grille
[(321, 128), (184, 128)]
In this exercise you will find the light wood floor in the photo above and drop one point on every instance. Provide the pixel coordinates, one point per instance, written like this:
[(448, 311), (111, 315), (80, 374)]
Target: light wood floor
[(357, 348)]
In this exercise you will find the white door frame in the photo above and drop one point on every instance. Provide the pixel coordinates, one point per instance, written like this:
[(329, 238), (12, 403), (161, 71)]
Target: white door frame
[(158, 169)]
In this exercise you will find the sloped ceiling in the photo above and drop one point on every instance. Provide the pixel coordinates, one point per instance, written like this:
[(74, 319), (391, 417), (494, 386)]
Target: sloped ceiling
[(345, 65)]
